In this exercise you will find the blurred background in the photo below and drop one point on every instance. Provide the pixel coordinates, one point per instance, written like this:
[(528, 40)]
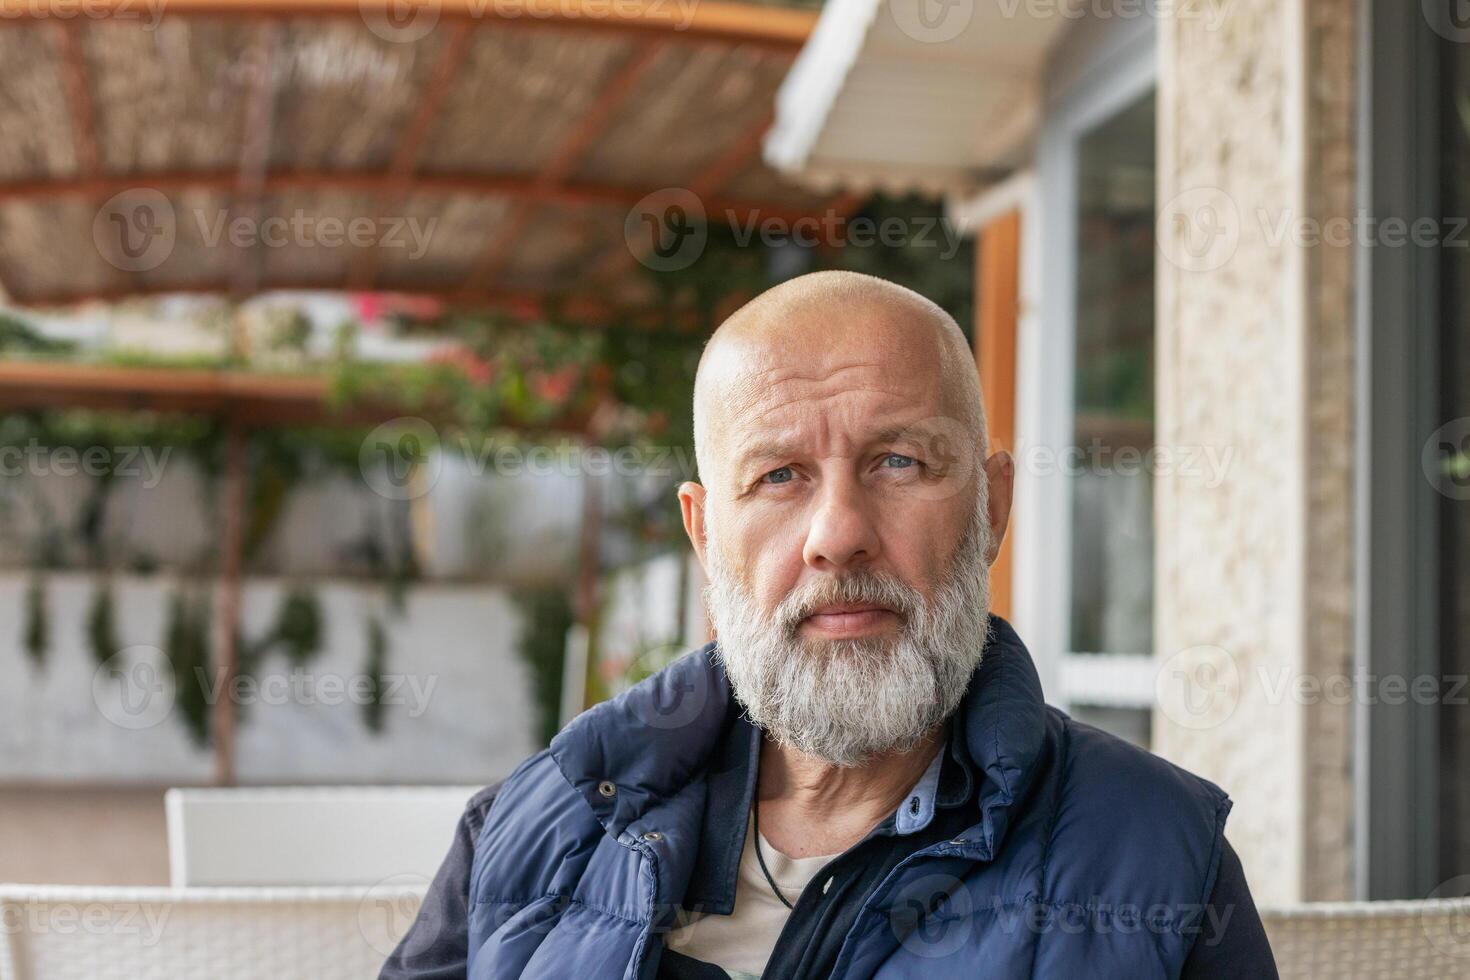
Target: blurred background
[(346, 352)]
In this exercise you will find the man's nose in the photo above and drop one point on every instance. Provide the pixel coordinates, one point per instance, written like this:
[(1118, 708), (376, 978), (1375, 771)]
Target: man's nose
[(842, 531)]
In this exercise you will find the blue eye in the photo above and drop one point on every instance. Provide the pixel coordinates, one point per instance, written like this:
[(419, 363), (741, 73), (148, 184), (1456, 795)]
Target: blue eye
[(783, 475), (897, 461)]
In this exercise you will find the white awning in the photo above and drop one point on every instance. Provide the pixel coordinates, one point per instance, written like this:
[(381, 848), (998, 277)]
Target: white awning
[(903, 95)]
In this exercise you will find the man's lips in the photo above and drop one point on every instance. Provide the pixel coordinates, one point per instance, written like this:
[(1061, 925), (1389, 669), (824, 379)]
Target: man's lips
[(850, 619)]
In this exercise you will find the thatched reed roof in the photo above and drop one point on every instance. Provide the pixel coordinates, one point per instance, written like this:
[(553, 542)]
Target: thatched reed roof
[(512, 137)]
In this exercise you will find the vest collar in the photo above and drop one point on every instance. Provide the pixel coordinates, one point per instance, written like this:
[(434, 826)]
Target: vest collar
[(639, 751)]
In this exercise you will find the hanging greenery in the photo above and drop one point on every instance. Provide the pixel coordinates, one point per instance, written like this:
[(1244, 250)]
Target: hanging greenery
[(546, 616), (36, 636), (101, 625), (187, 647), (374, 669), (298, 628)]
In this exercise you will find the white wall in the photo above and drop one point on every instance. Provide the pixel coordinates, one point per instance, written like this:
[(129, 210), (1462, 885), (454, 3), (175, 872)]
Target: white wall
[(464, 711)]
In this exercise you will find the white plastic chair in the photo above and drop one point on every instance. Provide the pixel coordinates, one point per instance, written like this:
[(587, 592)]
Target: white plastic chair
[(53, 932), (1424, 940), (323, 836)]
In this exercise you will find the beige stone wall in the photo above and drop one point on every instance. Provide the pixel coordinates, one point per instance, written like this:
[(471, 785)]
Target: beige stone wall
[(1255, 358)]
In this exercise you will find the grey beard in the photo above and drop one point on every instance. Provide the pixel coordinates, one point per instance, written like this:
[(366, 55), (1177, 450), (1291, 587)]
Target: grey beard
[(845, 701)]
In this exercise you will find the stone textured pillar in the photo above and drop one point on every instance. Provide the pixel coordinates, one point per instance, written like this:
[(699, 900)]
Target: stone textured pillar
[(1255, 363)]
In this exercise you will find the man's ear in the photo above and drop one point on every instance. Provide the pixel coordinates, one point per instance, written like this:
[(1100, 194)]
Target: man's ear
[(1000, 478), (691, 505)]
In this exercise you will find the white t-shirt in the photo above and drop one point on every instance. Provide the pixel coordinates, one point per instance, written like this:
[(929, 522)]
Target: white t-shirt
[(741, 942)]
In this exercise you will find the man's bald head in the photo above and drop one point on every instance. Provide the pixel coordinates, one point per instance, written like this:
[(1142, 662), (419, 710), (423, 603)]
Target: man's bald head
[(818, 323)]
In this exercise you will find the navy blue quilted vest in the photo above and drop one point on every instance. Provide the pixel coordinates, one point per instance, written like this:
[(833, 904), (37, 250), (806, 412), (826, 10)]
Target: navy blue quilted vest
[(1088, 856)]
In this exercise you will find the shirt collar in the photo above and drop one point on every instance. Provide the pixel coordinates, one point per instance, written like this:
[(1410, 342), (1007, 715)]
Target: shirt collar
[(947, 782)]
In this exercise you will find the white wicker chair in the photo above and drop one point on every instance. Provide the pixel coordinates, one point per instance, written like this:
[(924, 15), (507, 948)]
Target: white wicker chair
[(309, 835), (1423, 940), (51, 932)]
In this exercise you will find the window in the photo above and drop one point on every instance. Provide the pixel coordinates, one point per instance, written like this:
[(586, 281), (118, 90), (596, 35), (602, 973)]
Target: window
[(1085, 550)]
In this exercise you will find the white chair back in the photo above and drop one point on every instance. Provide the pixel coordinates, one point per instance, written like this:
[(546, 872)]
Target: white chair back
[(54, 932), (319, 836)]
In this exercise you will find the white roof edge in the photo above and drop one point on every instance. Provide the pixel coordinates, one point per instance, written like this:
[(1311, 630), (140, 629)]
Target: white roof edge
[(810, 88)]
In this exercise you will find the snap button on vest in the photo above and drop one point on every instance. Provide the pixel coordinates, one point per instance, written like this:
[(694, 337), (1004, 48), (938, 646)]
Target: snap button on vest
[(653, 836), (607, 789)]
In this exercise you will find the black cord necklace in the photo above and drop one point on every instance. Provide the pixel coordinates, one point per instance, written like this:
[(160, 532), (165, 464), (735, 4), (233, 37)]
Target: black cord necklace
[(760, 858)]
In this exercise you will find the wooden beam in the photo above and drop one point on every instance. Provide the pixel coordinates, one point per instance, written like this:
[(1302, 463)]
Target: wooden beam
[(998, 309), (563, 163), (779, 28), (476, 185), (77, 89), (364, 272)]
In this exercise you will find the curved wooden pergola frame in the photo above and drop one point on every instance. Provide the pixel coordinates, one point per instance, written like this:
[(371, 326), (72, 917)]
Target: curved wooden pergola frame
[(654, 40), (651, 37)]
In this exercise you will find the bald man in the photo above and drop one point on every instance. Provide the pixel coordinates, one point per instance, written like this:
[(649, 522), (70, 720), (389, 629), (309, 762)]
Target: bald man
[(859, 778)]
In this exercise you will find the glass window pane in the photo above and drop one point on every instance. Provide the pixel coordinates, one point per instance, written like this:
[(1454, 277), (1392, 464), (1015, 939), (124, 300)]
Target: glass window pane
[(1454, 454), (1112, 489)]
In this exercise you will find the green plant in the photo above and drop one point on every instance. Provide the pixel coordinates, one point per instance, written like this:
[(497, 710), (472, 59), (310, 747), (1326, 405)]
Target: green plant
[(187, 647), (36, 636), (377, 664), (546, 617), (101, 624)]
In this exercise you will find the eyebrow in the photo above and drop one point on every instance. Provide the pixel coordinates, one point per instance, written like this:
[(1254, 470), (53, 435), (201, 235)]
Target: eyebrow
[(770, 449)]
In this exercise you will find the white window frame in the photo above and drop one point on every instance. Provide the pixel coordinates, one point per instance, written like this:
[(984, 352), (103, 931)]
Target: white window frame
[(1097, 71)]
